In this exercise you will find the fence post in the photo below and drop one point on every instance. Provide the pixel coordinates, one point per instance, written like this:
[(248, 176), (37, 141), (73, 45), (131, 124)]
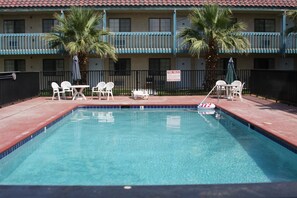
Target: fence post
[(137, 79)]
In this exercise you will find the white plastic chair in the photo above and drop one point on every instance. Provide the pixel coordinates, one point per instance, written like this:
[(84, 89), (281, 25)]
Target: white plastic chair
[(140, 94), (238, 90), (236, 83), (57, 90), (108, 90), (66, 86), (220, 87), (99, 89)]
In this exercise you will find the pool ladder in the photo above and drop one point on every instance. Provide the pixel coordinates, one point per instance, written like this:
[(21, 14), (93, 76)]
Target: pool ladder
[(207, 95)]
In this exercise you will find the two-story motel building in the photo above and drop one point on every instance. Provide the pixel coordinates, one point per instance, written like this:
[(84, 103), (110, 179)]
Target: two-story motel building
[(144, 34)]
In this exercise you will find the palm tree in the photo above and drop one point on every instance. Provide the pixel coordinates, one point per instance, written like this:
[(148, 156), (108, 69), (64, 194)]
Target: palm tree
[(79, 34), (292, 15), (212, 29)]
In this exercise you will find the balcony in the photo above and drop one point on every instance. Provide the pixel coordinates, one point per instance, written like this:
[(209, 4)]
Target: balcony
[(29, 43), (291, 44), (260, 42), (144, 43), (141, 42)]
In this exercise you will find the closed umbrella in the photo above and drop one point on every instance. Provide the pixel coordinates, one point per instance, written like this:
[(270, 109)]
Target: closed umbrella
[(75, 69), (231, 74)]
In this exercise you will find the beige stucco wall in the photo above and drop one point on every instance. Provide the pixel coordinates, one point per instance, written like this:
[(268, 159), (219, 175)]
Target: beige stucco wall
[(141, 62), (249, 18), (33, 22), (139, 20), (35, 62)]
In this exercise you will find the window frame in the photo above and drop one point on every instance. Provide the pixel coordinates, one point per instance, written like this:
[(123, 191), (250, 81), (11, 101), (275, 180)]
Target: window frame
[(157, 70), (222, 67), (271, 63), (116, 68), (16, 64), (264, 24), (119, 24), (160, 24), (57, 70), (54, 22), (14, 25)]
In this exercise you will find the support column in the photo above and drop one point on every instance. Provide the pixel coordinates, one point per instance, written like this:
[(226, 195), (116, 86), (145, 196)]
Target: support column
[(104, 19), (104, 25), (174, 33), (284, 21)]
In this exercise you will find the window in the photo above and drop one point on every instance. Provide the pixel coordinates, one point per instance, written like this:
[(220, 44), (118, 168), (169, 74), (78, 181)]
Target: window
[(120, 25), (121, 68), (14, 26), (15, 65), (158, 66), (53, 67), (263, 63), (223, 66), (264, 25), (159, 25), (223, 63), (48, 24)]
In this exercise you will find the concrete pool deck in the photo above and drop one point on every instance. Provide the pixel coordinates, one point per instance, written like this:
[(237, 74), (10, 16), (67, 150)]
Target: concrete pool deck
[(22, 119)]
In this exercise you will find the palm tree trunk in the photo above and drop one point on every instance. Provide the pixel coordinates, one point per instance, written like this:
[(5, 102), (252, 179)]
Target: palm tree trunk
[(83, 62), (212, 59)]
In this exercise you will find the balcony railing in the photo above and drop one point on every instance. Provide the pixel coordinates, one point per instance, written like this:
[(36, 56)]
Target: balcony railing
[(260, 42), (144, 42), (291, 43), (29, 43), (141, 42)]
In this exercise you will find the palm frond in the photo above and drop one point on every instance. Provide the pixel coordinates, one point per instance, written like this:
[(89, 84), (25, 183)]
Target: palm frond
[(78, 32), (293, 16), (212, 28)]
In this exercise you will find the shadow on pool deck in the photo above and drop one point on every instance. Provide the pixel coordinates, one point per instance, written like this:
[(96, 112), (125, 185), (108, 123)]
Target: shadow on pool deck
[(22, 119)]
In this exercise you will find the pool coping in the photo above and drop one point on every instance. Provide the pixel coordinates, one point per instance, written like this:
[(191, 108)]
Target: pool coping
[(213, 190), (254, 190)]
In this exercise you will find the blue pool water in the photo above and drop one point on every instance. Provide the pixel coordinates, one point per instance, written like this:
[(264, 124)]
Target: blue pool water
[(147, 147)]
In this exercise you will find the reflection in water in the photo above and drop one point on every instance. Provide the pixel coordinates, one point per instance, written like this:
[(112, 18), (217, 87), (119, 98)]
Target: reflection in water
[(79, 115), (218, 116), (205, 114), (173, 122), (104, 116)]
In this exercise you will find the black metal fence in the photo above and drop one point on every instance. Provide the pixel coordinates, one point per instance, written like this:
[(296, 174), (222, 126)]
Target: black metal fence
[(275, 84), (278, 85), (18, 86), (192, 81)]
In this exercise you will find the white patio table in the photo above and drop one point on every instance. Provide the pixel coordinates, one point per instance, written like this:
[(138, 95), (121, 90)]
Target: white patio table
[(78, 91), (228, 88)]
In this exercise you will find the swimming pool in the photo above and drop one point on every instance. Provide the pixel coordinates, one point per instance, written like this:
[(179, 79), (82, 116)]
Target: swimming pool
[(172, 146)]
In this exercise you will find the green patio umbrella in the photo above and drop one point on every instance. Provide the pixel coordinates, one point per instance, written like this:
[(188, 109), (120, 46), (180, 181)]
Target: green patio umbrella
[(231, 74)]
